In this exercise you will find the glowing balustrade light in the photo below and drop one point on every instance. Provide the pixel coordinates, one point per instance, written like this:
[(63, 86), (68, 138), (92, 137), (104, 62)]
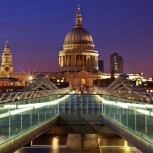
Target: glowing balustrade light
[(26, 107), (36, 105), (18, 111), (4, 115), (141, 108)]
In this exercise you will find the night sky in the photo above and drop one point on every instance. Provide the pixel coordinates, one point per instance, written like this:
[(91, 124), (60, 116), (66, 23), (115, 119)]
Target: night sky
[(35, 30)]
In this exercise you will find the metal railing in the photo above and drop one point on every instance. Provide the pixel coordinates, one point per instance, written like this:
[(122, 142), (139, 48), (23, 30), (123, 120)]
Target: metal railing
[(21, 116), (128, 94), (18, 117), (15, 96), (135, 116)]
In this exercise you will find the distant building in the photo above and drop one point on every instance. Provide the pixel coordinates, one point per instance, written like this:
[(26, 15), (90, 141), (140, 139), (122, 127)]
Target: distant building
[(116, 63), (101, 65)]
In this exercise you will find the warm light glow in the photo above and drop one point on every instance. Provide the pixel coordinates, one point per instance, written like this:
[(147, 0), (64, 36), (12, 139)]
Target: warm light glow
[(144, 80), (116, 75), (55, 142), (18, 151), (99, 141), (30, 78), (150, 79), (127, 148), (73, 92)]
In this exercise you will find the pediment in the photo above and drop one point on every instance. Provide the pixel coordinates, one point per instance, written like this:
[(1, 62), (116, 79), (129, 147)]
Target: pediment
[(83, 72)]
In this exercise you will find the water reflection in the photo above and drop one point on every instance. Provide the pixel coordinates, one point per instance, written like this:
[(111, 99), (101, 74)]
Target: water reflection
[(115, 145), (57, 144), (127, 148)]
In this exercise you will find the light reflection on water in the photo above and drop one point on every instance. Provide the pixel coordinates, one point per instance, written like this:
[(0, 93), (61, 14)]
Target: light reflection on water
[(115, 145), (57, 144), (127, 148)]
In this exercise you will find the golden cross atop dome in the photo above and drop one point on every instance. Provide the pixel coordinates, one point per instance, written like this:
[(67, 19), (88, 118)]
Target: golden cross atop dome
[(78, 6)]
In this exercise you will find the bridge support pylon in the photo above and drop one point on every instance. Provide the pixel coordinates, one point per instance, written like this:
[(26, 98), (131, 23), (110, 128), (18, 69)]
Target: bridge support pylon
[(82, 143)]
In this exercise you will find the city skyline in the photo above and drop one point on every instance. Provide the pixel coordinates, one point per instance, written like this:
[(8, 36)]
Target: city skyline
[(36, 31)]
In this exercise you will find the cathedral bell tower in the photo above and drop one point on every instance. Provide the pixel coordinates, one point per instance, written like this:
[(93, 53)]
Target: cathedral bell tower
[(6, 67)]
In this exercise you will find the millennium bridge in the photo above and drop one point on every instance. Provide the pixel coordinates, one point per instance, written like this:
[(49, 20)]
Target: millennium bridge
[(123, 107)]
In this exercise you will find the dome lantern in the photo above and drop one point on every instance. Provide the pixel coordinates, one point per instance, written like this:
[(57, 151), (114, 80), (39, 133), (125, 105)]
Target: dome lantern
[(78, 35), (78, 19)]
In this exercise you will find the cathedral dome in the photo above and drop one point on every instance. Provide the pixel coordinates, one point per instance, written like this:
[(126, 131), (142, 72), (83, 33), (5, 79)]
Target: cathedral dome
[(78, 36), (78, 49)]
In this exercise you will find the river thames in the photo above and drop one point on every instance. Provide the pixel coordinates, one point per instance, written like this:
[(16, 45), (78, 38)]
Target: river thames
[(57, 144)]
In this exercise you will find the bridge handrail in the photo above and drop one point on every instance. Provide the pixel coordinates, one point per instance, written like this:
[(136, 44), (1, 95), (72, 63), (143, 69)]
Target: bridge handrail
[(133, 115), (14, 124), (20, 95), (128, 94)]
